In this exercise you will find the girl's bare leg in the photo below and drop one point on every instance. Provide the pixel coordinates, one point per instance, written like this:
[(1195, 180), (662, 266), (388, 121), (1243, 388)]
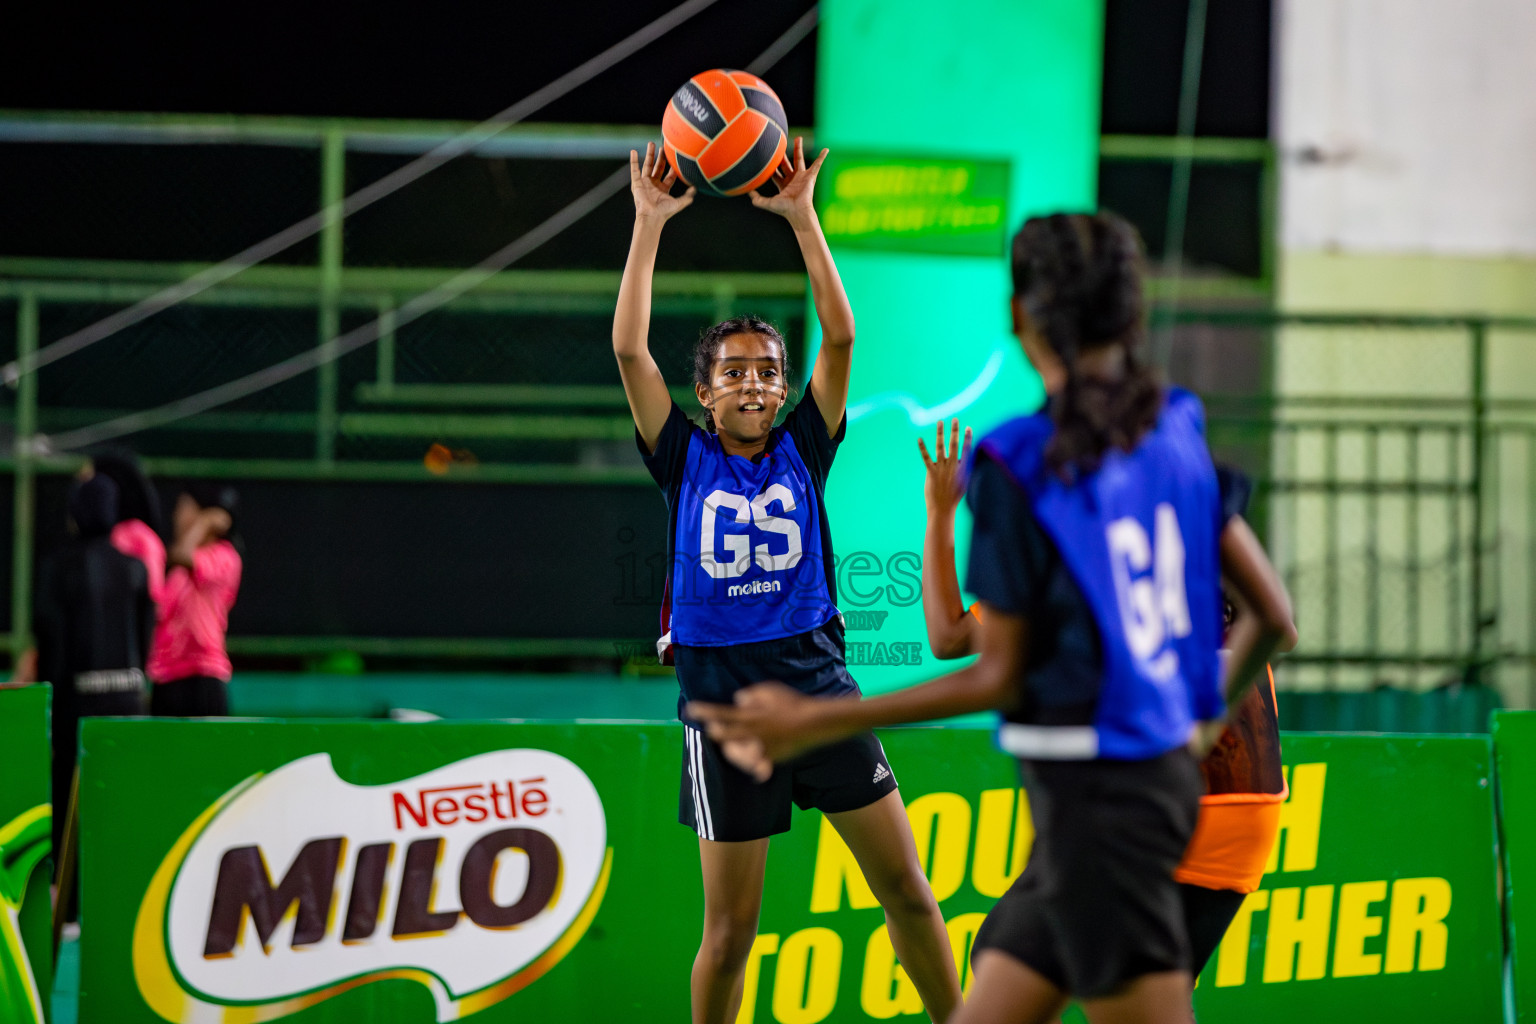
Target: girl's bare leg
[(1005, 991), (880, 838), (1162, 998), (733, 894)]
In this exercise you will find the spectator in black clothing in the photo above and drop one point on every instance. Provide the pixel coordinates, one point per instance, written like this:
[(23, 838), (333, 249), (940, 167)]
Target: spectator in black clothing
[(94, 624)]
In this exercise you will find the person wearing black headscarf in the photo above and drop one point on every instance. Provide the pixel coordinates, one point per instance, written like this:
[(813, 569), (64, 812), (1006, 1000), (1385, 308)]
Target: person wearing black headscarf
[(139, 523), (94, 622)]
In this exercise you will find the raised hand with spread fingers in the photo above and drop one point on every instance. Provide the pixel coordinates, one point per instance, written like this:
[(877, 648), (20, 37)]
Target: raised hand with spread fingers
[(952, 631), (651, 179), (650, 182), (795, 203), (796, 183)]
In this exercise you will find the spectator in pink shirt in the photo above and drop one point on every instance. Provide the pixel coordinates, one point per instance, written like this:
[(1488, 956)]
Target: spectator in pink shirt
[(188, 663), (138, 528)]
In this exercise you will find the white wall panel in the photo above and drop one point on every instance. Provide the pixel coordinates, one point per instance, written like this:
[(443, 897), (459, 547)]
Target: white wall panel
[(1408, 125)]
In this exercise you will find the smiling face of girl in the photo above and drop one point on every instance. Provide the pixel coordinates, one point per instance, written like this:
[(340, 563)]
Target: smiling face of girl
[(746, 389)]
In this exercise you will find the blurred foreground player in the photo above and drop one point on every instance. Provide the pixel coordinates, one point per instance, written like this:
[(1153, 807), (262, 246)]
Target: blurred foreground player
[(1107, 500), (750, 596), (189, 663), (1244, 781)]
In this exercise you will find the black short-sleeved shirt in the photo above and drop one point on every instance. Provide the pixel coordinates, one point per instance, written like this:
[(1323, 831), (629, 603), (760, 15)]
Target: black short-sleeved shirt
[(811, 661), (1236, 489), (1015, 567)]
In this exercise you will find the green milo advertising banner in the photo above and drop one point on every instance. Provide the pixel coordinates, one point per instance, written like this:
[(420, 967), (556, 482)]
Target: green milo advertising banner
[(1514, 737), (327, 872), (1381, 900), (26, 827)]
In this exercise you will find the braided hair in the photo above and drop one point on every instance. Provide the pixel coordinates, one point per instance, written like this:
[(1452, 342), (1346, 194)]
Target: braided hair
[(707, 350), (1078, 277)]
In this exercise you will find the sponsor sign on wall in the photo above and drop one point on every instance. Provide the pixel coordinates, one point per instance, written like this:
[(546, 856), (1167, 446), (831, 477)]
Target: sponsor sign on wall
[(346, 871), (943, 205)]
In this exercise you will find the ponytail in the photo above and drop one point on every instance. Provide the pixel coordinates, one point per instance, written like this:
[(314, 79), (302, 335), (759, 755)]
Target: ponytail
[(1079, 279), (1093, 415)]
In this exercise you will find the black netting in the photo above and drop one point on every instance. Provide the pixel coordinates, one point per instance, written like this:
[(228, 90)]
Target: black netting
[(164, 203)]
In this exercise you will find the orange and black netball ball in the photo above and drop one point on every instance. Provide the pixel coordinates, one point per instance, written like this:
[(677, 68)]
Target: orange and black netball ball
[(724, 132)]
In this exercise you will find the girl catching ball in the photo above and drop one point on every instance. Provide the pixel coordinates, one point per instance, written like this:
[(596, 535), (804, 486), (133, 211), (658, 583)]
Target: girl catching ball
[(751, 595)]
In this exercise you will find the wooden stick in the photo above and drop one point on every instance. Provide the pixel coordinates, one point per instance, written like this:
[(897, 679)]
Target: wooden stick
[(67, 846)]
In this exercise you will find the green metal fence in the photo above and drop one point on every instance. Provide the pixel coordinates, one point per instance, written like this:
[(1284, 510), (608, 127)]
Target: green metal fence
[(1395, 456), (1397, 494)]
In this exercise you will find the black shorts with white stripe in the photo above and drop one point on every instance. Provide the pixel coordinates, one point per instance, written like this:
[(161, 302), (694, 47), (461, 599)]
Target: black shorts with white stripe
[(721, 802)]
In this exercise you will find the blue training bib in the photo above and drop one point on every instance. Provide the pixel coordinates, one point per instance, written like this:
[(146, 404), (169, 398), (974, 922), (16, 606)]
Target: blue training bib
[(749, 562), (1139, 537)]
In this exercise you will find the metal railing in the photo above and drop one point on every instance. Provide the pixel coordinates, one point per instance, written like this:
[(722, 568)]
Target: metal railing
[(332, 291), (1402, 521), (1397, 494), (1398, 504)]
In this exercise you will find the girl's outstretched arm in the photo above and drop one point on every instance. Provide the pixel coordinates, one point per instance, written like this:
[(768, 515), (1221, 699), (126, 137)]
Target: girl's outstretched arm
[(210, 522), (649, 400), (1268, 629), (1262, 627), (829, 377), (952, 629), (771, 722)]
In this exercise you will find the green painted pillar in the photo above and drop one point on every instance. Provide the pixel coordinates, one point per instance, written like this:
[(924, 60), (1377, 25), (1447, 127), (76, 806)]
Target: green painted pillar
[(946, 96), (333, 155), (24, 481)]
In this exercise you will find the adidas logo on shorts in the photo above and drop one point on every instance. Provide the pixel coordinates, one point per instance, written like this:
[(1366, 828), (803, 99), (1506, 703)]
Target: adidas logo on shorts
[(881, 772)]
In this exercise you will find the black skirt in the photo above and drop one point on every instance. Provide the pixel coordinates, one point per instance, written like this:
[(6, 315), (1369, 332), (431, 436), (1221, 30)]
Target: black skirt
[(1097, 906), (192, 697)]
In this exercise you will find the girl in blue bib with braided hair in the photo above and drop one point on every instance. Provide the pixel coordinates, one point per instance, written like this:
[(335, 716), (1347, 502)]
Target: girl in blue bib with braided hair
[(1095, 558), (751, 596)]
